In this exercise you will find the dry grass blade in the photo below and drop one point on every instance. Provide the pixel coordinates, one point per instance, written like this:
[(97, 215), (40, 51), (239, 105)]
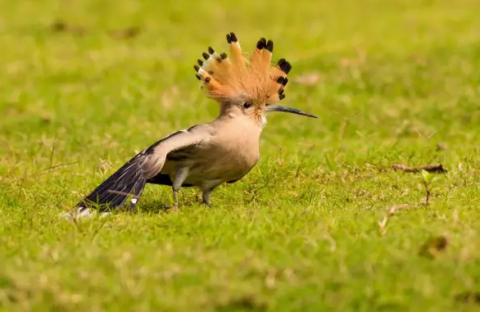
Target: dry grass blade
[(122, 193), (435, 168), (52, 168), (441, 147), (126, 33), (391, 211), (310, 79), (61, 26)]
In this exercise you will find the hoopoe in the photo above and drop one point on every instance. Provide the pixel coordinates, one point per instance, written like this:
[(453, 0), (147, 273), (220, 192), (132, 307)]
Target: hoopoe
[(209, 154)]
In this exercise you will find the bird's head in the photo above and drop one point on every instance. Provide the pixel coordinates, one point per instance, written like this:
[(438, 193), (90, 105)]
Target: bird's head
[(249, 86)]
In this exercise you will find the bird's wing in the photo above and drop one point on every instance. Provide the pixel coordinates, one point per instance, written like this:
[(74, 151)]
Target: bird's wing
[(180, 140), (130, 179), (177, 142)]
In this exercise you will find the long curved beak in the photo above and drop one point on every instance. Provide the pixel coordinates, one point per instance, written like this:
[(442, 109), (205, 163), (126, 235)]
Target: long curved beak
[(279, 108)]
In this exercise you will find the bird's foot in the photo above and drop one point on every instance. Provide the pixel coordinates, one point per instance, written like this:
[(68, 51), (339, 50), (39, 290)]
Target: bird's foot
[(168, 207), (206, 203), (173, 207)]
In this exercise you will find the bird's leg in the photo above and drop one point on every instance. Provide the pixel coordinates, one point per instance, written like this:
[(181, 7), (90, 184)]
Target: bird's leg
[(207, 190), (206, 198), (180, 176), (175, 198)]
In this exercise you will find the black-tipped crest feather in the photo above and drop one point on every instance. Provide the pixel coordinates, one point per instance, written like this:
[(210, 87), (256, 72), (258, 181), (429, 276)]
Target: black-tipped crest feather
[(238, 76), (269, 46), (286, 67), (261, 43)]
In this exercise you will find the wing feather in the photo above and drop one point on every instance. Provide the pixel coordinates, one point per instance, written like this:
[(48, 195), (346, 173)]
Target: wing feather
[(130, 179)]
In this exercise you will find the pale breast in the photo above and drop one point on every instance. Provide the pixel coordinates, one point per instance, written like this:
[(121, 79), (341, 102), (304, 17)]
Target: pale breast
[(224, 158)]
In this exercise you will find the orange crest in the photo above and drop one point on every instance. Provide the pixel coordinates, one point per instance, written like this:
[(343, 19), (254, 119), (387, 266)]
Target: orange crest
[(237, 78)]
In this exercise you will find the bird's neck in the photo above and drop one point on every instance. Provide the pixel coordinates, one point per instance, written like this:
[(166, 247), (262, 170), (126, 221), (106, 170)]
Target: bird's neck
[(234, 114), (229, 111)]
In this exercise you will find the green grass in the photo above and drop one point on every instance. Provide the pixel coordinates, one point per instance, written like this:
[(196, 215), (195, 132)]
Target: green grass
[(300, 232)]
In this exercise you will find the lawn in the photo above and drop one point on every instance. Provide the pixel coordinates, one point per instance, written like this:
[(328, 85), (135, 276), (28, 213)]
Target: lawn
[(84, 85)]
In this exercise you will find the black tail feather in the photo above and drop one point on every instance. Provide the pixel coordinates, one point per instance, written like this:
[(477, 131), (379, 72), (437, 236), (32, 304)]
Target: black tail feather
[(127, 181), (137, 192)]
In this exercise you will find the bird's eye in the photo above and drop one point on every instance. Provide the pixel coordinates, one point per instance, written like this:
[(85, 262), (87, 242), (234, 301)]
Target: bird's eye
[(247, 104)]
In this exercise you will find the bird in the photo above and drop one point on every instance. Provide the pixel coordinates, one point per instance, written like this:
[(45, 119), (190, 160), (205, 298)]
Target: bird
[(207, 155)]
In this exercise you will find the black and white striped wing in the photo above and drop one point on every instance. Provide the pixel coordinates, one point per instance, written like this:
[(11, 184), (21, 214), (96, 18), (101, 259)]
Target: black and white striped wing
[(130, 179)]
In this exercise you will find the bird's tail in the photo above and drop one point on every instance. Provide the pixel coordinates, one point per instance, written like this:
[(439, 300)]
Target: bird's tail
[(128, 181)]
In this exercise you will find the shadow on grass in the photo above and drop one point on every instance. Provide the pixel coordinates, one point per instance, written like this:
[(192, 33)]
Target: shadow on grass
[(154, 207)]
